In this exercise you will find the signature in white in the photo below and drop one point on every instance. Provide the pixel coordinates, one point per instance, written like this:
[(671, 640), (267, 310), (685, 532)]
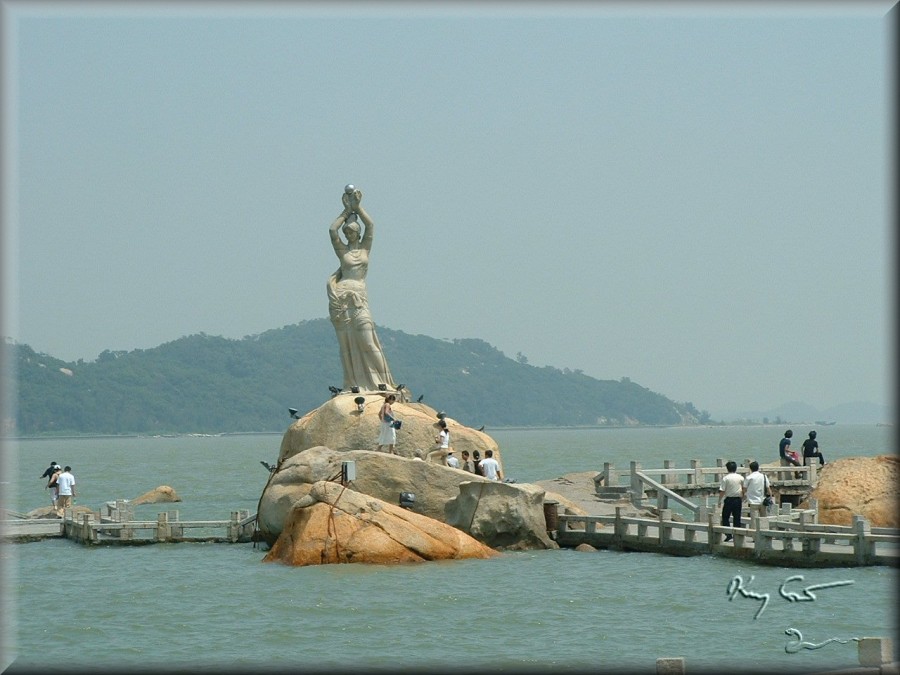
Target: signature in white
[(794, 646), (736, 585)]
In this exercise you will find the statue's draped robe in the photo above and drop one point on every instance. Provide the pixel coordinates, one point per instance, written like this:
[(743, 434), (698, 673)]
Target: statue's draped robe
[(362, 357)]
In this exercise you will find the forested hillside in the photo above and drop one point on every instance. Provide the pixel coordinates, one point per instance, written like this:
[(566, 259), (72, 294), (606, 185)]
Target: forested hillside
[(206, 384)]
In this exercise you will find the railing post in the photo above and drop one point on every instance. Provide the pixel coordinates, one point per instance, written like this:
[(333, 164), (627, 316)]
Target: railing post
[(863, 549), (670, 666), (875, 652), (696, 478), (619, 527), (665, 515), (712, 537), (247, 530), (609, 476), (637, 487), (233, 528), (124, 514), (813, 473), (670, 478), (162, 526), (809, 544), (87, 532), (761, 540), (176, 530)]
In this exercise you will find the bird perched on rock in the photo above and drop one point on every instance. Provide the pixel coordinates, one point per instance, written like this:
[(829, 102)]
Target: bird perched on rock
[(268, 466), (419, 400), (334, 391)]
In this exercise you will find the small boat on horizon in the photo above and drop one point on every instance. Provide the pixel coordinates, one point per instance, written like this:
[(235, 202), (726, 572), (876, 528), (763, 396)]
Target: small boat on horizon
[(822, 423)]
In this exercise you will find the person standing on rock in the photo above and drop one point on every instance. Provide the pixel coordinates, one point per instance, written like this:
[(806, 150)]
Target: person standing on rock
[(811, 449), (442, 440), (490, 467), (467, 464), (49, 474), (388, 433), (53, 484), (50, 470), (66, 485), (731, 490)]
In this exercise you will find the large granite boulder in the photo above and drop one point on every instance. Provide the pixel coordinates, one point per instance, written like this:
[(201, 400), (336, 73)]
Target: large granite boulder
[(865, 486), (504, 515), (339, 425), (451, 496), (334, 524)]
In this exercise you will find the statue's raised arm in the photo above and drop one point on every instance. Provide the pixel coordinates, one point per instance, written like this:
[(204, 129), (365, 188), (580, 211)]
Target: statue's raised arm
[(362, 357)]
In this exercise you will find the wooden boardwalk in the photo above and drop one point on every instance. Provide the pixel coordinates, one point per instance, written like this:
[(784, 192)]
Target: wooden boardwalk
[(117, 526)]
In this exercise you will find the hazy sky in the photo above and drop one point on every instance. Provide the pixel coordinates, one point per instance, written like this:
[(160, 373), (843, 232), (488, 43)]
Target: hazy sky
[(696, 197)]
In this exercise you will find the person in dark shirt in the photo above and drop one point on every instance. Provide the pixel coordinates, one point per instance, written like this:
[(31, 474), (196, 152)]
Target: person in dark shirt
[(811, 449), (53, 468), (788, 458)]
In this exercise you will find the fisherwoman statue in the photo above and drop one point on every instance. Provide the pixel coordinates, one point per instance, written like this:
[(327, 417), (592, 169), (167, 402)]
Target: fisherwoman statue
[(348, 306)]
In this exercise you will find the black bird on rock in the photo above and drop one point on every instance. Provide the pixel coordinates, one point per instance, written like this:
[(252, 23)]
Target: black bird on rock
[(268, 466), (419, 400)]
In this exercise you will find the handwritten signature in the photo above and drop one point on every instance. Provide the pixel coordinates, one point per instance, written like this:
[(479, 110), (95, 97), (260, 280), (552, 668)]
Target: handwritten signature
[(736, 585), (794, 646)]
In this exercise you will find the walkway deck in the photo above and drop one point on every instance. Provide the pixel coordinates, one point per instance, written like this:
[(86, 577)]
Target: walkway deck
[(791, 539), (118, 527)]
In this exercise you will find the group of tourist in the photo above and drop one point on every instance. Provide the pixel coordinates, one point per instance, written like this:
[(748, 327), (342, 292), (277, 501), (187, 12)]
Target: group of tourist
[(754, 488), (61, 484), (789, 457), (443, 452)]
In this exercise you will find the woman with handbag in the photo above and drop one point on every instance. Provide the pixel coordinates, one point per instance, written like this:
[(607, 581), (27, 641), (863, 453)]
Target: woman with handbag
[(387, 437)]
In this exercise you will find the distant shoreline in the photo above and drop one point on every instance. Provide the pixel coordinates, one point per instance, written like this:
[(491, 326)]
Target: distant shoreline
[(723, 425)]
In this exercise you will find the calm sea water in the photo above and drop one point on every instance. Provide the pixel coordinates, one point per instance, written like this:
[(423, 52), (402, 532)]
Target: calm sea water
[(218, 607)]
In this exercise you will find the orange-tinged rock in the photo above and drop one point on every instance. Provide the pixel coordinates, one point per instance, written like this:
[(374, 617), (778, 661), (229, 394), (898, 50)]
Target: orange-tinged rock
[(865, 486), (160, 495), (337, 525)]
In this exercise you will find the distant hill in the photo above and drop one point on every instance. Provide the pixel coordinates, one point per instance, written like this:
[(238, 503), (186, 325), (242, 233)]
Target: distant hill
[(206, 384), (796, 412)]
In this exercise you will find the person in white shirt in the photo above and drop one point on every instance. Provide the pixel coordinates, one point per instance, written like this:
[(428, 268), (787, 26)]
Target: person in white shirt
[(756, 488), (65, 483), (439, 454), (491, 467), (451, 459), (731, 490)]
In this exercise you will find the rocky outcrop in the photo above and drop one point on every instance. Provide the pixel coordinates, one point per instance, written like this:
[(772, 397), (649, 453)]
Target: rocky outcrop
[(160, 495), (339, 425), (501, 515), (334, 524), (50, 512), (865, 486)]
